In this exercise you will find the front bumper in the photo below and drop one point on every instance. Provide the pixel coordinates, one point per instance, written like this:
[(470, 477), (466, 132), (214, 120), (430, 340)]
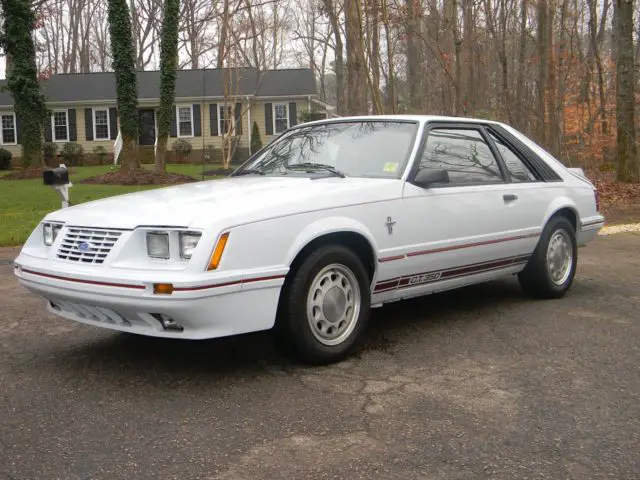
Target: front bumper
[(210, 306)]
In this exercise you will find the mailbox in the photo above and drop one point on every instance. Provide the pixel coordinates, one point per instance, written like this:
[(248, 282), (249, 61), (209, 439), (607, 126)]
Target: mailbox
[(56, 176)]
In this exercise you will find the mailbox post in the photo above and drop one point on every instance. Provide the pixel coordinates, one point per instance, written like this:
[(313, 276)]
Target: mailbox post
[(58, 178)]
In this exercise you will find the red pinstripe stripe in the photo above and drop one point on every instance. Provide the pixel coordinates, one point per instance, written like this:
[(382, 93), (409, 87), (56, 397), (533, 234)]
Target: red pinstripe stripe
[(226, 284), (597, 222), (142, 287), (470, 245), (391, 259), (88, 282), (456, 247)]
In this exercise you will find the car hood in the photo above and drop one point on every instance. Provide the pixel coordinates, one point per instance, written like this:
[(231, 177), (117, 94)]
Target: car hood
[(237, 200)]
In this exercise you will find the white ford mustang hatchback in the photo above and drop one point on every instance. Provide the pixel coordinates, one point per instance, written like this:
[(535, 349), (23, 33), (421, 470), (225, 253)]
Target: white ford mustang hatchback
[(327, 221)]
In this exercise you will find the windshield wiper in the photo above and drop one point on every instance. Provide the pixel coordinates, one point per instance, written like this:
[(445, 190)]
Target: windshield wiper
[(309, 167), (249, 171)]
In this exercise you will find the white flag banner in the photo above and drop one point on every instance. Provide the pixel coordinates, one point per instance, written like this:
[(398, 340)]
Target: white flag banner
[(117, 148)]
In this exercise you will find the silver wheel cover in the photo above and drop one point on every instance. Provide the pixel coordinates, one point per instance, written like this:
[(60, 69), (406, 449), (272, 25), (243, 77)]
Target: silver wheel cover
[(560, 257), (333, 304)]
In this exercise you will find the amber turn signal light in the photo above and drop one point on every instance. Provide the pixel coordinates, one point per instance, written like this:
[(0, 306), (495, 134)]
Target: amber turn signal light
[(163, 288), (218, 251)]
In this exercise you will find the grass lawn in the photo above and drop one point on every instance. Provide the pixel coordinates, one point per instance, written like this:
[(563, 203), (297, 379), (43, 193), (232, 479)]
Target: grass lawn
[(23, 203)]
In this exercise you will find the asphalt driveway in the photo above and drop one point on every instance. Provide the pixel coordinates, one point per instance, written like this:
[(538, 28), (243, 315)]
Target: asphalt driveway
[(478, 383)]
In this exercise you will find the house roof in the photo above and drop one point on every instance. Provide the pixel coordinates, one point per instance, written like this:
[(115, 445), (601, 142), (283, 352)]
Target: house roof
[(87, 87)]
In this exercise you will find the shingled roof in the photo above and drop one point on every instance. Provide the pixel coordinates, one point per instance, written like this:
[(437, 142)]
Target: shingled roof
[(88, 87)]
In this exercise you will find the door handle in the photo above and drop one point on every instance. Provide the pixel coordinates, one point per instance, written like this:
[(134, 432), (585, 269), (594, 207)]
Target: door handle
[(509, 197)]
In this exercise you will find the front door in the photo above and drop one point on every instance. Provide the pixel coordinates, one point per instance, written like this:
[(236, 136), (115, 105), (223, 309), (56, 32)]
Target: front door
[(466, 227), (147, 126)]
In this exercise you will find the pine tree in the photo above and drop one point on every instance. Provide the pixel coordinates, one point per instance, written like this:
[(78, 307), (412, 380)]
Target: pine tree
[(22, 78), (122, 51), (168, 73), (256, 142)]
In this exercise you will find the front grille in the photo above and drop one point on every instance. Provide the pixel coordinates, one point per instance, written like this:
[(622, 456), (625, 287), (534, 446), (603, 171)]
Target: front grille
[(87, 245)]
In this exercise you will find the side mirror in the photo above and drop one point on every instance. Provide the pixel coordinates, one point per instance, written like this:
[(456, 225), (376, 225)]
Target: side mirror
[(427, 177)]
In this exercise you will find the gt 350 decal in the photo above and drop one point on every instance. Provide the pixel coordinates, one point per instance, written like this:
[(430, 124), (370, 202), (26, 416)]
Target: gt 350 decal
[(425, 278), (449, 273)]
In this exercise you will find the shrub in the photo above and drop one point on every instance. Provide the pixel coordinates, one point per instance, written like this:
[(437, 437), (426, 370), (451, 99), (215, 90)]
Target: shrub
[(50, 151), (181, 148), (5, 159), (211, 154), (256, 142), (100, 153), (73, 153)]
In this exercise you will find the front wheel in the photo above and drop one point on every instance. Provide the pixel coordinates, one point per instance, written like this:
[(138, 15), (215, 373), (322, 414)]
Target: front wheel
[(552, 267), (325, 305)]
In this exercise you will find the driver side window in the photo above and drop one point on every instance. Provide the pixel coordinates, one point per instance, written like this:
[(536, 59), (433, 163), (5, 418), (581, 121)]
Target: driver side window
[(463, 153)]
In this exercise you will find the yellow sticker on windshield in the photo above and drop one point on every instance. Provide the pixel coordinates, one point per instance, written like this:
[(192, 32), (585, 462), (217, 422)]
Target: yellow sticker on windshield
[(391, 167)]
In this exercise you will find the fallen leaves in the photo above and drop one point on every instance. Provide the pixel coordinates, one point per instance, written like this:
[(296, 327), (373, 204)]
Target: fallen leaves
[(612, 192)]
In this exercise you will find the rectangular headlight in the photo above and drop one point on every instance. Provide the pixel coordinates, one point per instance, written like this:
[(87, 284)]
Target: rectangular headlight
[(47, 234), (158, 245), (188, 243), (50, 232)]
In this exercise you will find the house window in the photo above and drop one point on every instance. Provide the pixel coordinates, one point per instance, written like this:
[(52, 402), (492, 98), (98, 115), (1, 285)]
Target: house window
[(225, 119), (280, 117), (60, 126), (101, 128), (185, 121), (8, 129)]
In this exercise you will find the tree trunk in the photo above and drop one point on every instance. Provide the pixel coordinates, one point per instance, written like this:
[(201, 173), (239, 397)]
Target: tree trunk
[(553, 126), (520, 87), (356, 75), (415, 62), (22, 79), (126, 82), (457, 43), (628, 169), (222, 41), (168, 73), (374, 16), (392, 101), (341, 103), (468, 58), (543, 69)]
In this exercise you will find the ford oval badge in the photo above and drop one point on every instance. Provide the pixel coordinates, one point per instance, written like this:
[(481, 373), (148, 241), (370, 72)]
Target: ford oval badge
[(84, 246)]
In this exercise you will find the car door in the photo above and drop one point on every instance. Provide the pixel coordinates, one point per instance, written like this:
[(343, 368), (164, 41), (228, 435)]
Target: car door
[(462, 228)]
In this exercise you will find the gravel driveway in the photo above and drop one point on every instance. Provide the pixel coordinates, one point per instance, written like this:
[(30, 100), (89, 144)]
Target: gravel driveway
[(476, 383)]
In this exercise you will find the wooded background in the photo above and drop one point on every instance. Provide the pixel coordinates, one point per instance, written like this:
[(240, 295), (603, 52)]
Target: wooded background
[(548, 67)]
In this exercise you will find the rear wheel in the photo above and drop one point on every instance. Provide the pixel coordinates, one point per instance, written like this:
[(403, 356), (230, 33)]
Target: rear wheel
[(552, 267), (325, 305)]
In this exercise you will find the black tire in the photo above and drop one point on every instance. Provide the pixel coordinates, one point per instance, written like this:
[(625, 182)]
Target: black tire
[(536, 279), (293, 330)]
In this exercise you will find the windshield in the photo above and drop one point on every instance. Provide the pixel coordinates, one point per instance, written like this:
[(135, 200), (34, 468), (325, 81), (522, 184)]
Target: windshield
[(350, 148)]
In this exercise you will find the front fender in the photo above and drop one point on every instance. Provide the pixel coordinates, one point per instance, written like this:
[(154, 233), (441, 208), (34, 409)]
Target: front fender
[(326, 226)]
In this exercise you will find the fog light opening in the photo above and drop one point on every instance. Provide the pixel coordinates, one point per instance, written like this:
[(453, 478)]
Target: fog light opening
[(54, 306), (167, 322)]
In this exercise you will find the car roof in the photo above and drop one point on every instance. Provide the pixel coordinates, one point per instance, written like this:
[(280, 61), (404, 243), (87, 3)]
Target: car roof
[(405, 117)]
